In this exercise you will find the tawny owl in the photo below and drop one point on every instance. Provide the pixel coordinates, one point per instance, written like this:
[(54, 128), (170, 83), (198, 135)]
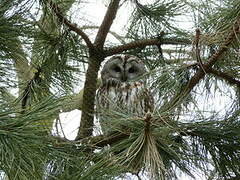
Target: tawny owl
[(123, 88)]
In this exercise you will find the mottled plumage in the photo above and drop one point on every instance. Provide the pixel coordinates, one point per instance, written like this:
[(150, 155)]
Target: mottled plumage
[(122, 88)]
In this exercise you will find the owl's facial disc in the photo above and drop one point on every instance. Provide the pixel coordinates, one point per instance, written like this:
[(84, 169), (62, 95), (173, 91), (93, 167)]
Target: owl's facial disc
[(122, 69)]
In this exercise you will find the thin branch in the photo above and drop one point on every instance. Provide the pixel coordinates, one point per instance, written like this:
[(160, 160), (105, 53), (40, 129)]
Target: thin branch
[(71, 26), (146, 42), (106, 23), (58, 122), (225, 76)]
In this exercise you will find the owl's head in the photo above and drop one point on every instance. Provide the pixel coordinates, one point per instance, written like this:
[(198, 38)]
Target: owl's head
[(122, 68)]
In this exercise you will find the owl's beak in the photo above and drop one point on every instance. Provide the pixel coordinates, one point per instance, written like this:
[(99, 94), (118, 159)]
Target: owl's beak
[(124, 78)]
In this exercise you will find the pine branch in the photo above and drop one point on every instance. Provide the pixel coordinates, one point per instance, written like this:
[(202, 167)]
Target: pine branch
[(21, 64), (103, 140), (146, 42), (106, 23), (6, 95), (225, 76), (29, 90), (200, 74), (71, 26)]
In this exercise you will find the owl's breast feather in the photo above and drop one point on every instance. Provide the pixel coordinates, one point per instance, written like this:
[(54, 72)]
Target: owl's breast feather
[(124, 95)]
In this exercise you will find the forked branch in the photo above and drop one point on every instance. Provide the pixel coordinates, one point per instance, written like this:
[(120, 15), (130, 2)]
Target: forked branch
[(90, 86)]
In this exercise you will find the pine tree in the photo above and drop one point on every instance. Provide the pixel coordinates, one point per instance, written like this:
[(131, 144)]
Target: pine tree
[(44, 55)]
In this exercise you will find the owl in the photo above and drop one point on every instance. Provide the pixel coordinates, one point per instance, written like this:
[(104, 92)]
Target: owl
[(123, 88)]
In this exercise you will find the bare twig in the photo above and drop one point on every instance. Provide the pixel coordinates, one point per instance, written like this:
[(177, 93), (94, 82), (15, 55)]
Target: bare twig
[(71, 26), (58, 121)]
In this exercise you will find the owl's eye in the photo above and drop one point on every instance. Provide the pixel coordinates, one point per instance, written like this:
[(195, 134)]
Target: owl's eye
[(131, 70), (117, 69)]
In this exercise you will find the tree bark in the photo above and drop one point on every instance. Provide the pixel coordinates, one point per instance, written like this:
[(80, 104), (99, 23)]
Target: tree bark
[(90, 88)]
